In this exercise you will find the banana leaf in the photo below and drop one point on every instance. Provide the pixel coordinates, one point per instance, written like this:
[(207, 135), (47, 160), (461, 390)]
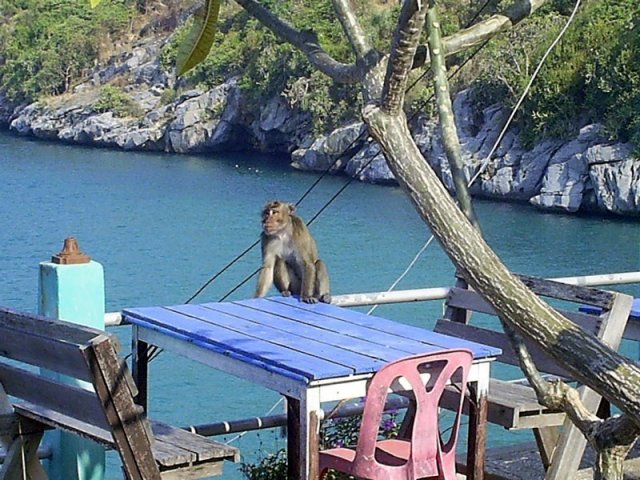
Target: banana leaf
[(196, 46)]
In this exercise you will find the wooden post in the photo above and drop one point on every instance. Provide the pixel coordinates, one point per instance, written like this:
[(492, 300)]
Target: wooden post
[(293, 438), (71, 288), (314, 446), (477, 433)]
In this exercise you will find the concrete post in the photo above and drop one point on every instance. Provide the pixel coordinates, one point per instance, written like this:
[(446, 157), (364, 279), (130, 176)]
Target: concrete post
[(71, 288)]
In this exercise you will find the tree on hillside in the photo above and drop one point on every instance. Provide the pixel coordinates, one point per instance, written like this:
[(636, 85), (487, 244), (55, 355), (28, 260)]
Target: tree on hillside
[(383, 80)]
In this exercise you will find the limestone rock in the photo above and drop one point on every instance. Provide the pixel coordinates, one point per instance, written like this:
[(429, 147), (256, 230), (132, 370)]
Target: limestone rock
[(369, 165), (331, 151), (614, 175)]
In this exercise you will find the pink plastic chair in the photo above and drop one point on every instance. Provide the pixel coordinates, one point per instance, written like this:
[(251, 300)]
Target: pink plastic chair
[(424, 455)]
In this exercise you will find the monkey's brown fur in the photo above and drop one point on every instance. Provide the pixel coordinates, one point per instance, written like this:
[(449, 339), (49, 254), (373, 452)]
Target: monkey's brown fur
[(290, 256)]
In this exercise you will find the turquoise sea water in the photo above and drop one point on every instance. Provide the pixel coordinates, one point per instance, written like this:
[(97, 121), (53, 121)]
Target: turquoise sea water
[(162, 225)]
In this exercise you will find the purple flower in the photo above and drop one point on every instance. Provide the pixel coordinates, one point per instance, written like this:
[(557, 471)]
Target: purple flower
[(388, 424)]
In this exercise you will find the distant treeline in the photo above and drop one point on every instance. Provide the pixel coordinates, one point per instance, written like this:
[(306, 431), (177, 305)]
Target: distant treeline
[(593, 75)]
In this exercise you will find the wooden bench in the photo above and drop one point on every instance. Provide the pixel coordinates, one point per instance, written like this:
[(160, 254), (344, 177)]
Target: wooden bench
[(513, 404), (32, 400)]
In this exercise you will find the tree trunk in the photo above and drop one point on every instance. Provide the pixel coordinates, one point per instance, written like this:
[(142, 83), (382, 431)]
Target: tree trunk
[(588, 360)]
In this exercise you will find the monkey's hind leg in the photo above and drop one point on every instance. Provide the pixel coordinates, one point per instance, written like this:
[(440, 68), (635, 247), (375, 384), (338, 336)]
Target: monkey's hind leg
[(322, 290), (282, 279)]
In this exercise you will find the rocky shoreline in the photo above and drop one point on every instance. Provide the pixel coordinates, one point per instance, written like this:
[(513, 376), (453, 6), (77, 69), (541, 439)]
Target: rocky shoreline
[(585, 174)]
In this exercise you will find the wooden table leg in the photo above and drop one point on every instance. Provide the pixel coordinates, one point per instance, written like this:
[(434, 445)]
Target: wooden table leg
[(302, 445), (140, 367), (476, 445), (314, 446), (293, 438)]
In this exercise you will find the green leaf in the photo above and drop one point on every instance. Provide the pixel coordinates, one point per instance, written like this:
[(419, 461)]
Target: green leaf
[(94, 3), (196, 46)]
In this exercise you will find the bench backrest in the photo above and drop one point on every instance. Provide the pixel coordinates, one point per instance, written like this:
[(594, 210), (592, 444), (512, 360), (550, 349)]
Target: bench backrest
[(609, 326), (104, 411), (560, 450)]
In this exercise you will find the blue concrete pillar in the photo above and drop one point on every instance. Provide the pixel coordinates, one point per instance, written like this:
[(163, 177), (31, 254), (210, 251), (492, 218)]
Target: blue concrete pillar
[(71, 288)]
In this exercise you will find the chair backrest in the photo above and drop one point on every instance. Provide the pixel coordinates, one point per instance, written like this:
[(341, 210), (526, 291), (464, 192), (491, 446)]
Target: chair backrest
[(426, 375)]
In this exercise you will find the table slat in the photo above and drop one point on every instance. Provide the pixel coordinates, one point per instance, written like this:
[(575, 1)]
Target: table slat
[(375, 325), (345, 335), (266, 328), (254, 350)]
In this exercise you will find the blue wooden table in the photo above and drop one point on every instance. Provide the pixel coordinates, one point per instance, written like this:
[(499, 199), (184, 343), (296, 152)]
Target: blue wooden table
[(309, 353)]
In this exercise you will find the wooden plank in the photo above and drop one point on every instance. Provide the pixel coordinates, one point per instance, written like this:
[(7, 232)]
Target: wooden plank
[(21, 459), (570, 447), (267, 375), (225, 341), (380, 348), (350, 332), (202, 448), (31, 434), (52, 353), (477, 434), (71, 401), (511, 406), (314, 446), (46, 327), (543, 362), (193, 472), (365, 356), (546, 439), (470, 300), (140, 368), (8, 423), (294, 437), (564, 291), (378, 324), (168, 455), (55, 419), (128, 430)]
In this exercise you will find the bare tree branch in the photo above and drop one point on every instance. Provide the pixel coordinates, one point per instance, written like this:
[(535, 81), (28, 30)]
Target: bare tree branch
[(351, 26), (305, 41), (450, 138), (405, 42), (588, 360), (482, 31)]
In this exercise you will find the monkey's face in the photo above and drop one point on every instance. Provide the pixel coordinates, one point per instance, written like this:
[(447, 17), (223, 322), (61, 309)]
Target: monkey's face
[(275, 217)]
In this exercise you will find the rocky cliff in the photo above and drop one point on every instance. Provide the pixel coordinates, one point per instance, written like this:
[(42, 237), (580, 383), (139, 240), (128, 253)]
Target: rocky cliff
[(587, 173)]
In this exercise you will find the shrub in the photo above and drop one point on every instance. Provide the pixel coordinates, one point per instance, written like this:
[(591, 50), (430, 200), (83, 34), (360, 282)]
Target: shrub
[(113, 99), (46, 45)]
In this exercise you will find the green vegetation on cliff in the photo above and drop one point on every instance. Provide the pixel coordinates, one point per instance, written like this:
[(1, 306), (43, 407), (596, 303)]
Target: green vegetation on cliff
[(46, 45), (592, 75)]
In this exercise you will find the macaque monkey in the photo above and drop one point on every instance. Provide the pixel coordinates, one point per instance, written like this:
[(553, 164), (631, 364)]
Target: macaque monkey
[(290, 256)]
